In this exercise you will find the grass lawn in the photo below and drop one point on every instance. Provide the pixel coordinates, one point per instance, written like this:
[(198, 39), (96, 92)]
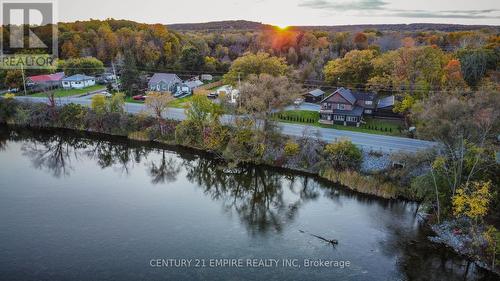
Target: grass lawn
[(59, 93), (179, 103), (376, 126), (371, 126)]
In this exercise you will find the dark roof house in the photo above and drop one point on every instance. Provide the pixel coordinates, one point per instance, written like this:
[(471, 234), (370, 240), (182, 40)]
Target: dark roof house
[(163, 82), (193, 84), (314, 96), (347, 107)]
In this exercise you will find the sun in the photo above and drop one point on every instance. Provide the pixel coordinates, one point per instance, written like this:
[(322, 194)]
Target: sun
[(282, 26)]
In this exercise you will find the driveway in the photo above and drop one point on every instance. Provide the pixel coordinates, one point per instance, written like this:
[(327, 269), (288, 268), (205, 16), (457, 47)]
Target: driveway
[(304, 106), (363, 140)]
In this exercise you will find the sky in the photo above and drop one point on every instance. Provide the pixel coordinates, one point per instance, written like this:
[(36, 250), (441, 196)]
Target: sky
[(286, 12)]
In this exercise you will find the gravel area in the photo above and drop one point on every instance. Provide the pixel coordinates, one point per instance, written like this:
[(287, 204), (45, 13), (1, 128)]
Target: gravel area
[(375, 161), (446, 235)]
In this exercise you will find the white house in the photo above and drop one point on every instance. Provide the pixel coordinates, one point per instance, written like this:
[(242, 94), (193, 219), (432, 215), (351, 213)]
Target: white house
[(206, 77), (228, 90), (78, 81)]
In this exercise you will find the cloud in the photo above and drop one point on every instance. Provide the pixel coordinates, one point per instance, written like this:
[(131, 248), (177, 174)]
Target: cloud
[(344, 6), (458, 14), (380, 8)]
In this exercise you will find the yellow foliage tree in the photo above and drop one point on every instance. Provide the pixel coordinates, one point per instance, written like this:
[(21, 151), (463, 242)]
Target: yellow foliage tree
[(472, 200), (98, 104), (291, 148)]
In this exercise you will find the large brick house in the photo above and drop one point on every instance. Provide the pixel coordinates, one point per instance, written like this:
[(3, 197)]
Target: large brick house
[(346, 108)]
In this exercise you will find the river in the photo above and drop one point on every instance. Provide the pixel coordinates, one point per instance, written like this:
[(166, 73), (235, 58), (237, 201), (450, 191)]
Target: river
[(81, 207)]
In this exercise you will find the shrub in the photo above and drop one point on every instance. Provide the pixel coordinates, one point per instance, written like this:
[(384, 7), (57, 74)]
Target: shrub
[(291, 148), (98, 104), (343, 155), (8, 108), (116, 103), (188, 133), (72, 116)]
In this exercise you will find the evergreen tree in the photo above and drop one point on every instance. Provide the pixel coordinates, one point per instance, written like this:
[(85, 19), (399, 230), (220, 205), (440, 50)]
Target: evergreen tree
[(130, 75)]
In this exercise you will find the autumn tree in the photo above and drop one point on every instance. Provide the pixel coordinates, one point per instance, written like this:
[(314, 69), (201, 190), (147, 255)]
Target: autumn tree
[(361, 41), (472, 200), (453, 79), (464, 129), (418, 70), (116, 103), (13, 78), (354, 68), (255, 64), (87, 66), (68, 50), (157, 103), (98, 104), (262, 95), (191, 59)]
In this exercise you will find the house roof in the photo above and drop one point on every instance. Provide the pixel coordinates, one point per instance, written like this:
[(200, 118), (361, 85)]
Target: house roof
[(316, 93), (193, 83), (356, 111), (364, 96), (386, 102), (78, 77), (164, 77), (47, 77), (345, 93)]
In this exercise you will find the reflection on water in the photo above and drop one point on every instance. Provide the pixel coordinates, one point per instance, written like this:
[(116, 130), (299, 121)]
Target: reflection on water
[(268, 204)]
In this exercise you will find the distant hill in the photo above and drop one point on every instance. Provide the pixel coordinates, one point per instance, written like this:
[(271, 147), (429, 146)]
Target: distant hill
[(250, 25), (218, 25)]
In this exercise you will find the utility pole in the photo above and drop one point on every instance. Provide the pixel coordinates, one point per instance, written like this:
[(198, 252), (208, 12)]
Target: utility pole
[(116, 78), (24, 80)]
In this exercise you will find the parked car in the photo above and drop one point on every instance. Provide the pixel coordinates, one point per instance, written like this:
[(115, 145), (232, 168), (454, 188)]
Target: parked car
[(298, 101), (107, 94), (213, 95), (139, 97)]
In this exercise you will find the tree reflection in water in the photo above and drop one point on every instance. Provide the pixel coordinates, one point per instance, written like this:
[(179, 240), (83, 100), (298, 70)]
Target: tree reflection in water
[(4, 137), (255, 193), (55, 152), (166, 170)]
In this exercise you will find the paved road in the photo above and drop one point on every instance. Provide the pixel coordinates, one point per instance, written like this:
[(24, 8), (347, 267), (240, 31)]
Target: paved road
[(363, 140)]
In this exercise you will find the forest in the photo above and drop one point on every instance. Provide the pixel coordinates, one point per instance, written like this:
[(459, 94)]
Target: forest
[(414, 60)]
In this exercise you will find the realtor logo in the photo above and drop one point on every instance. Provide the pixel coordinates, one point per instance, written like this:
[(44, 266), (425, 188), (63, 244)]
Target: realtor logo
[(28, 34)]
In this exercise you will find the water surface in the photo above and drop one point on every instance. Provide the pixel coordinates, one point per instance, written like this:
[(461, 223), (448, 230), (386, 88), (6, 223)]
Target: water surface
[(76, 207)]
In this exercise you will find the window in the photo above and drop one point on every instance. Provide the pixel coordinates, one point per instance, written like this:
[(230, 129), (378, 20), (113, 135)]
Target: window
[(368, 111), (352, 119), (368, 102), (340, 106), (338, 117)]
